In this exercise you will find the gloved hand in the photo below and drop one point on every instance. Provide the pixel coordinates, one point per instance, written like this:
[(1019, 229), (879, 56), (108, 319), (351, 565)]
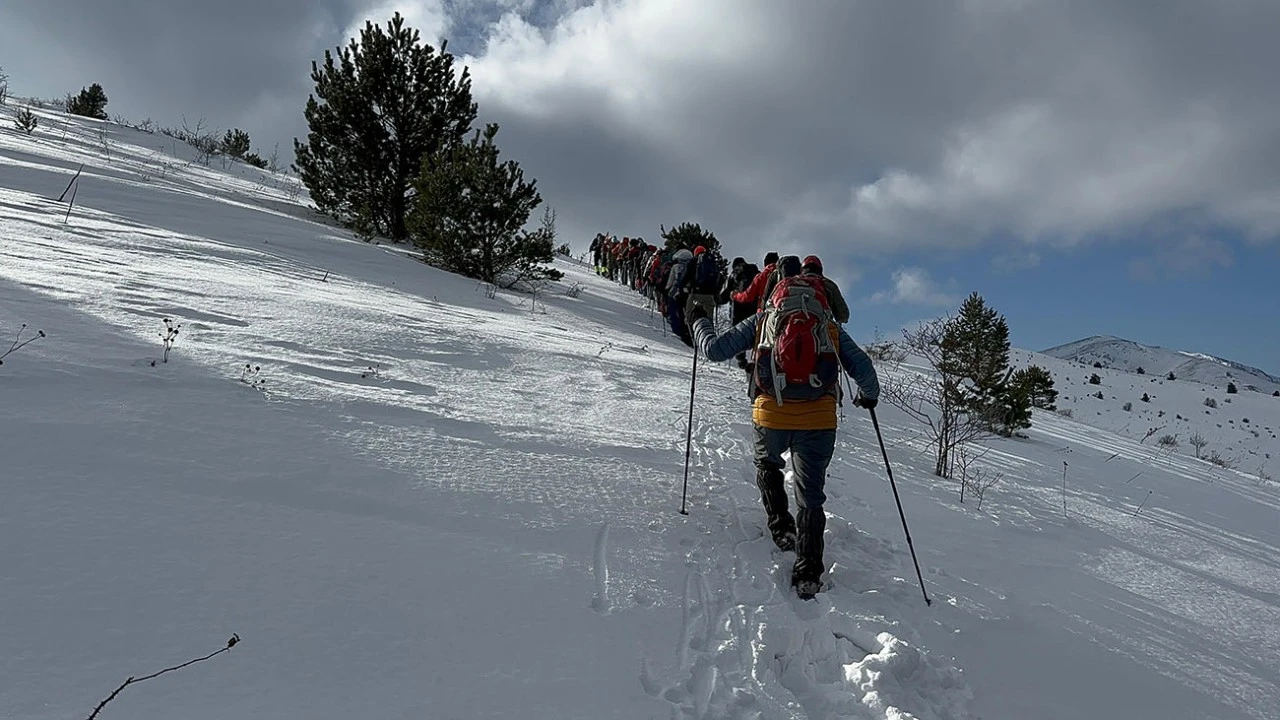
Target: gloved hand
[(697, 312), (865, 402)]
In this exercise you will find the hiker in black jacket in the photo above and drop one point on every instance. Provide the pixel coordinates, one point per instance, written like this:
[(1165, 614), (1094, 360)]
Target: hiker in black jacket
[(741, 273)]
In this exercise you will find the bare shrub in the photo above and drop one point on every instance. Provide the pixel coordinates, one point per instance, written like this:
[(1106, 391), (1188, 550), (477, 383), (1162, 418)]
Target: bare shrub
[(931, 400), (1197, 442), (1210, 402), (974, 479), (1127, 407), (1217, 459), (1066, 412), (884, 351), (1168, 441), (19, 343)]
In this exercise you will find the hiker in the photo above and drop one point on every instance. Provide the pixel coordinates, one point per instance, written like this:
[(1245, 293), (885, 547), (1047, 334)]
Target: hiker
[(739, 279), (839, 308), (754, 294), (800, 351), (677, 294), (703, 280)]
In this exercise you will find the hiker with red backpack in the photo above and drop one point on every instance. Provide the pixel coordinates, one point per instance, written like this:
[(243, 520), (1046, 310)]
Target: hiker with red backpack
[(800, 351)]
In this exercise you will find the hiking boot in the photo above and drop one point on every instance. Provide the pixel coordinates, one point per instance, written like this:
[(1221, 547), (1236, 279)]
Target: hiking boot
[(807, 589)]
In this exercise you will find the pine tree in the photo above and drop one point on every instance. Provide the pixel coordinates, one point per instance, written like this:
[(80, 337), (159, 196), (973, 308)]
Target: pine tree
[(470, 213), (689, 235), (1037, 384), (91, 102), (235, 143), (1141, 371), (381, 106), (1171, 376), (1231, 388), (26, 121), (976, 350)]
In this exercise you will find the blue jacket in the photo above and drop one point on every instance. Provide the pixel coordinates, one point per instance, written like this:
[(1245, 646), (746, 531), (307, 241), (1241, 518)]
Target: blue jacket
[(742, 337)]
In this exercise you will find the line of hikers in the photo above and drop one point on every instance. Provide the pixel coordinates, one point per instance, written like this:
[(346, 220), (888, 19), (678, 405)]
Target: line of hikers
[(677, 279), (787, 333)]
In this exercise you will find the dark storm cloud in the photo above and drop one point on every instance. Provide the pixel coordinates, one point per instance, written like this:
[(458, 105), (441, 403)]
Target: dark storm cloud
[(235, 62), (851, 128), (869, 127)]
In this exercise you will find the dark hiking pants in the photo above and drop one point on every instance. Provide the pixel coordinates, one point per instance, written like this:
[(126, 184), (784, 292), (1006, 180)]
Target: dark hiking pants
[(811, 452)]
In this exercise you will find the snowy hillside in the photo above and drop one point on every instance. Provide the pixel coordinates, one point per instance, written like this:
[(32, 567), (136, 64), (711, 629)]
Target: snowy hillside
[(425, 502), (1237, 430), (1128, 356)]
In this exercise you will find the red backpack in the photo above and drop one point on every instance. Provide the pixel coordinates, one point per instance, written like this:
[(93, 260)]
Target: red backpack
[(797, 342)]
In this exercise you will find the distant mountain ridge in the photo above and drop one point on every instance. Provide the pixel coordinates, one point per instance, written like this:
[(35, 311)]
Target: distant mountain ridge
[(1127, 355)]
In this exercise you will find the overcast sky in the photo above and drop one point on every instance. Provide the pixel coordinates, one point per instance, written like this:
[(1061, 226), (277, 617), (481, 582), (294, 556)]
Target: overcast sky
[(1093, 166)]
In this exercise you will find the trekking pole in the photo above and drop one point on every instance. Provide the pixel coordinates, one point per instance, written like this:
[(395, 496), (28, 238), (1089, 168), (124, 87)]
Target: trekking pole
[(889, 471), (688, 438)]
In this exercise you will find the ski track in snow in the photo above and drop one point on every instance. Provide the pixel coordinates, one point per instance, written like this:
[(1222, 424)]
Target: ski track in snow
[(517, 435)]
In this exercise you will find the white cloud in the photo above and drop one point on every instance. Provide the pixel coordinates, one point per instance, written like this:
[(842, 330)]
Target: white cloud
[(428, 17), (913, 286), (898, 126)]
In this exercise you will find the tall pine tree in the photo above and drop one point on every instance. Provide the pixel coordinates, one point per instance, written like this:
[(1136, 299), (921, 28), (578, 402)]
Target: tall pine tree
[(381, 106), (91, 102), (470, 212), (977, 350)]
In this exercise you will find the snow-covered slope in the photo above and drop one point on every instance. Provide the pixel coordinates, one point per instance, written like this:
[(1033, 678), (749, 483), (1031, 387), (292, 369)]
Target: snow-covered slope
[(1238, 429), (442, 504), (1128, 356)]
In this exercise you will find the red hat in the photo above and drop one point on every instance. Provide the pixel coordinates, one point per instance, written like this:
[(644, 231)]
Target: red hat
[(699, 250), (813, 262)]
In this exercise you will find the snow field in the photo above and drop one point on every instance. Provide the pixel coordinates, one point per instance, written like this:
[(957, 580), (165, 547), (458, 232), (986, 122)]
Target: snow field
[(447, 505)]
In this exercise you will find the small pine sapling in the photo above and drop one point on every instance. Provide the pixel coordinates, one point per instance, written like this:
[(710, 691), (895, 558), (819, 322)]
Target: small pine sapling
[(26, 121), (1146, 398), (169, 336), (19, 343)]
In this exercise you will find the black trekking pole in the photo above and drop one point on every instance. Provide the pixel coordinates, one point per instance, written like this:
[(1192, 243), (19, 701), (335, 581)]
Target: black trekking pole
[(688, 438), (889, 470)]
